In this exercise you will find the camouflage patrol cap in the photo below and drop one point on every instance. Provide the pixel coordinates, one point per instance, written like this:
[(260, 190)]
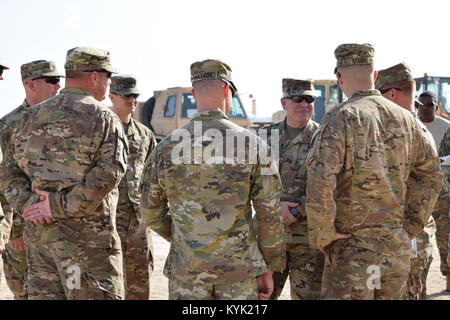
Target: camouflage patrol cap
[(123, 84), (3, 66), (293, 87), (211, 70), (397, 73), (88, 59), (349, 54), (39, 68)]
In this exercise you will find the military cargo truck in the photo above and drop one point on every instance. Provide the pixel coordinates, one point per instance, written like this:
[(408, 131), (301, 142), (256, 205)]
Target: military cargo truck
[(172, 108)]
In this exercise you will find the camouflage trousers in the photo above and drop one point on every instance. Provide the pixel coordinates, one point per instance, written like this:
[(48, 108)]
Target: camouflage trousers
[(420, 265), (66, 270), (14, 264), (353, 273), (137, 250), (182, 289), (441, 216), (304, 266)]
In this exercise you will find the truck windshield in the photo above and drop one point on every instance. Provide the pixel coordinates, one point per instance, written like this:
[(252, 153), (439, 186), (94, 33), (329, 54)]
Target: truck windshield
[(189, 107), (440, 86)]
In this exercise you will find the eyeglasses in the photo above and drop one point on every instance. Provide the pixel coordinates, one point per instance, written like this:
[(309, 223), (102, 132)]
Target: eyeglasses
[(298, 99), (128, 96), (108, 74), (429, 104), (52, 80), (1, 71), (386, 90)]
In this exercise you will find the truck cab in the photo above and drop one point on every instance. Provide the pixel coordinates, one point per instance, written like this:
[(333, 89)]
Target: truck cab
[(172, 108), (441, 87)]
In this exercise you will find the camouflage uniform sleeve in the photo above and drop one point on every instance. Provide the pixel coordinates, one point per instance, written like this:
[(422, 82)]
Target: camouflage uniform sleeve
[(265, 196), (324, 162), (153, 206), (423, 187), (15, 183), (444, 147), (110, 163)]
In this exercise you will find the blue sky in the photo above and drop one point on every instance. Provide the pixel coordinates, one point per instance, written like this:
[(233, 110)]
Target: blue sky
[(262, 41)]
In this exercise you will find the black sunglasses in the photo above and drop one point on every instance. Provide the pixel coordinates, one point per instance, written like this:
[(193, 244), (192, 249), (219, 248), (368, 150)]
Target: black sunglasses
[(388, 89), (108, 74), (298, 99), (52, 80), (128, 96), (1, 71), (429, 105)]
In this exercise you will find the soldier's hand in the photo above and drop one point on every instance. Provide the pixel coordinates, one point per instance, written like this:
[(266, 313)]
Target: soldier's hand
[(39, 213), (287, 217), (265, 285), (17, 244), (338, 236)]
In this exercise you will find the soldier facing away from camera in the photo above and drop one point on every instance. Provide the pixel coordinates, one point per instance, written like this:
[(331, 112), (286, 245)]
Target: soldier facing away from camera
[(199, 198), (40, 79), (62, 170), (397, 85), (135, 238), (373, 180)]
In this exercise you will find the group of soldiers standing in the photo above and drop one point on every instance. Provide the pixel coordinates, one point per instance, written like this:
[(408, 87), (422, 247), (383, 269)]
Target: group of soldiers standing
[(345, 210)]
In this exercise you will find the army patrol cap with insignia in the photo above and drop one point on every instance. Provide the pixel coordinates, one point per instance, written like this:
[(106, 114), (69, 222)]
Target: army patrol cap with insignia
[(211, 70), (293, 87), (349, 54), (39, 68), (397, 73), (123, 84), (88, 59)]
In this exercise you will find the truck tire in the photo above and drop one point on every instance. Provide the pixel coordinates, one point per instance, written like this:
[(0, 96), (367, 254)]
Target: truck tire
[(147, 112)]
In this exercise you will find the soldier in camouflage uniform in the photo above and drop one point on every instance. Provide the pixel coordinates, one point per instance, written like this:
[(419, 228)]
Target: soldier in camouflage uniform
[(199, 198), (444, 150), (136, 240), (397, 84), (2, 217), (438, 127), (373, 180), (62, 168), (303, 264), (41, 82)]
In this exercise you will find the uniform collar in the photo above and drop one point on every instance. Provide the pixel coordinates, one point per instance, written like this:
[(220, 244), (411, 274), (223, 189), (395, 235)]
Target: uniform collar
[(76, 90), (25, 104), (210, 114), (303, 137), (367, 92)]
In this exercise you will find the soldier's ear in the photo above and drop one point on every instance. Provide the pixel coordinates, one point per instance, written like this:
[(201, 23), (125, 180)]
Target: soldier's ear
[(283, 102), (193, 94), (375, 75)]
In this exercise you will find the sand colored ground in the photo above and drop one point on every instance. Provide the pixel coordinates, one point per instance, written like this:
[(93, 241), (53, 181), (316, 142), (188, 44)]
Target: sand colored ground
[(159, 283)]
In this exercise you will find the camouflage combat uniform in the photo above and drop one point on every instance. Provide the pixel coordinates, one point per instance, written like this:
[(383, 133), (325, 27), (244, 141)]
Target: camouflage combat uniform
[(136, 240), (205, 208), (444, 150), (73, 147), (304, 265), (15, 262), (421, 255), (440, 215), (371, 174)]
